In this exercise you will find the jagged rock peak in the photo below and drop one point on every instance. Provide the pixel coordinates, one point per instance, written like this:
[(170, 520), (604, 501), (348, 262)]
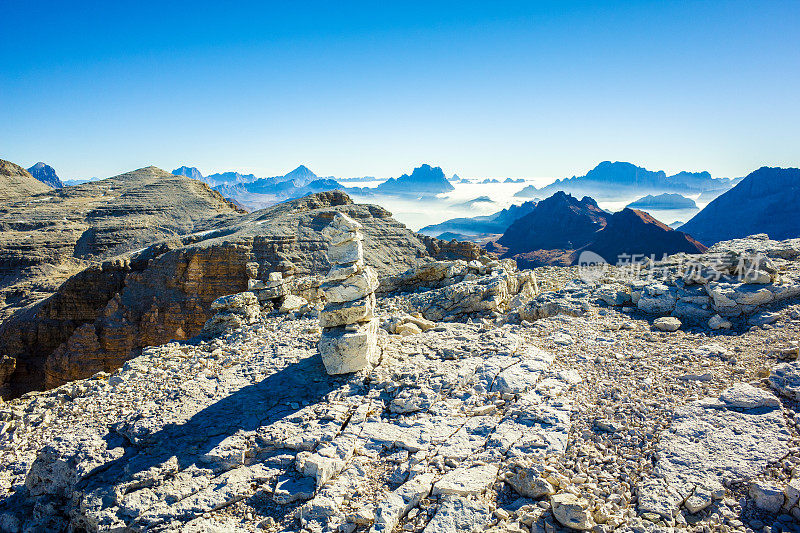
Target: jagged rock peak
[(189, 172), (46, 174)]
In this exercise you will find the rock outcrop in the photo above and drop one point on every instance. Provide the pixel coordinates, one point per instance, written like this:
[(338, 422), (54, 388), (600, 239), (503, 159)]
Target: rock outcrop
[(105, 314), (48, 236), (349, 328), (232, 312)]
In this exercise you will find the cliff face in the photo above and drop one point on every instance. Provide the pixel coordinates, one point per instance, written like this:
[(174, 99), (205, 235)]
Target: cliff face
[(764, 202), (46, 236), (164, 292)]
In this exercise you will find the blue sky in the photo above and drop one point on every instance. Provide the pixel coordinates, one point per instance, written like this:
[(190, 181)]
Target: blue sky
[(527, 89)]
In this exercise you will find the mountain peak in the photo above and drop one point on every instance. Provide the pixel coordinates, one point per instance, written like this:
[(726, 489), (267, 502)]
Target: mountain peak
[(425, 179), (189, 172), (302, 173), (46, 174)]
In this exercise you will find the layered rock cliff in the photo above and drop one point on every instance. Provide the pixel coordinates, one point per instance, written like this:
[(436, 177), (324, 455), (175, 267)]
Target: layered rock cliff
[(47, 234), (103, 315)]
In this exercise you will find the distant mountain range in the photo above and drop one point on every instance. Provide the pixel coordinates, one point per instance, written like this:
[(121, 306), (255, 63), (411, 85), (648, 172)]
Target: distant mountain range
[(425, 180), (488, 224), (253, 193), (257, 193), (560, 227), (765, 201), (613, 180), (663, 201), (46, 174)]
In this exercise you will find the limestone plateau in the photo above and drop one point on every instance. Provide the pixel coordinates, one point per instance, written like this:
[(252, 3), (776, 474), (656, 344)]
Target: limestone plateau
[(48, 235), (108, 311), (555, 399)]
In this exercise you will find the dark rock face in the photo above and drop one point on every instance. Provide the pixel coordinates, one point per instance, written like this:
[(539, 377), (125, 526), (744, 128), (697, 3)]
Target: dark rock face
[(48, 236), (46, 174), (561, 227), (424, 180), (16, 182), (494, 223), (634, 235), (559, 222), (610, 180), (165, 292), (764, 202)]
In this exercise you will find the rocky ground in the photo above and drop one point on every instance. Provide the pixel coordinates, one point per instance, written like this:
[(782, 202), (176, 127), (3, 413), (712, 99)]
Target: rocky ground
[(534, 413)]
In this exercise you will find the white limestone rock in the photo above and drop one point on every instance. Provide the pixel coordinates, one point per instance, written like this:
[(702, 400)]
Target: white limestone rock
[(342, 314), (731, 438), (232, 312), (571, 511), (351, 288), (346, 350), (717, 322), (399, 502), (457, 515), (530, 481), (746, 396), (466, 481), (667, 323), (292, 303), (347, 252), (64, 462), (785, 378), (767, 496)]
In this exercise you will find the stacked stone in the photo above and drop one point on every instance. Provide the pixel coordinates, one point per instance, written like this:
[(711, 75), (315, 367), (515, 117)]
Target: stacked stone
[(349, 334)]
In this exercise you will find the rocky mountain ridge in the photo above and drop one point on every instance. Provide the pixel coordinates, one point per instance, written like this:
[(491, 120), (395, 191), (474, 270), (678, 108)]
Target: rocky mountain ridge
[(763, 202), (105, 314), (663, 201), (561, 228), (569, 408), (16, 182), (46, 235), (611, 180)]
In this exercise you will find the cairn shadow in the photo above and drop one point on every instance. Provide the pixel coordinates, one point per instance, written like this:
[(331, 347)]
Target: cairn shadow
[(279, 396)]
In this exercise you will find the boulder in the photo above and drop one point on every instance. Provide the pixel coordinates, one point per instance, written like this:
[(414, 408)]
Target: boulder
[(667, 323), (349, 349), (571, 511)]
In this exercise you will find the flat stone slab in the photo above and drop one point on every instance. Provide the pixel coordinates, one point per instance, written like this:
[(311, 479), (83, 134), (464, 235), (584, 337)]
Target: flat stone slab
[(342, 314), (457, 514), (467, 481)]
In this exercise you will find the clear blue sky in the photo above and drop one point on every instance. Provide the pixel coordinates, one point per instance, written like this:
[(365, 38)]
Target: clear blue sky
[(527, 89)]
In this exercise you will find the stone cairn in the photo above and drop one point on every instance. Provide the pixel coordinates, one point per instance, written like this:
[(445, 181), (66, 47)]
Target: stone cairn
[(349, 329)]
